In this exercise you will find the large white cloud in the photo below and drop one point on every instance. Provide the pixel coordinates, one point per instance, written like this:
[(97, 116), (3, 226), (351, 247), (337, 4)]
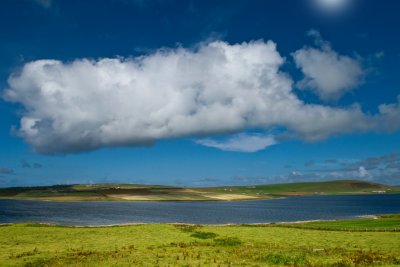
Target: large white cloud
[(217, 88), (326, 72)]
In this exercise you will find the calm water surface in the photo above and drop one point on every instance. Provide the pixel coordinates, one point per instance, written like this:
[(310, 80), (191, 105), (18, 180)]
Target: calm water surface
[(260, 211)]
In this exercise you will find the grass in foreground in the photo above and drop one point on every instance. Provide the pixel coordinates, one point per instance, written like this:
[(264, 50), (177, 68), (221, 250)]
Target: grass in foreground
[(193, 245)]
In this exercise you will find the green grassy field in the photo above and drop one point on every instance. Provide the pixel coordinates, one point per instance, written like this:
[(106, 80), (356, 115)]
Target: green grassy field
[(126, 192), (194, 245), (376, 223)]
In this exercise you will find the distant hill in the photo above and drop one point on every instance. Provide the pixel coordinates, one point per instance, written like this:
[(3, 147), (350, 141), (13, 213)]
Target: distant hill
[(306, 188), (135, 192)]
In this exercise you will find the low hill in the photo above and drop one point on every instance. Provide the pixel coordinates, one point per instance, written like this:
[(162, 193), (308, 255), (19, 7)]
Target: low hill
[(306, 188), (131, 192)]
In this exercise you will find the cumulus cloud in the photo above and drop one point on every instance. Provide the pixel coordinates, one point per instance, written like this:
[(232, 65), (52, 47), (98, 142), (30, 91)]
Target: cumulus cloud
[(390, 116), (217, 88), (362, 172), (389, 161), (327, 73), (241, 143), (381, 169)]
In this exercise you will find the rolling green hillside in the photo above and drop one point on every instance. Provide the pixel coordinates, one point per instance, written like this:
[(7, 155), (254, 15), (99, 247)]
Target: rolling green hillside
[(127, 192), (306, 188)]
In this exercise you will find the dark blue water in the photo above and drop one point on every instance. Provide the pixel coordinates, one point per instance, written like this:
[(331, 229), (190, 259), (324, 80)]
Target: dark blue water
[(260, 211)]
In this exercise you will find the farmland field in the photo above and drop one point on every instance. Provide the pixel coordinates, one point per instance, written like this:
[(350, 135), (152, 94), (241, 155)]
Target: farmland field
[(196, 245)]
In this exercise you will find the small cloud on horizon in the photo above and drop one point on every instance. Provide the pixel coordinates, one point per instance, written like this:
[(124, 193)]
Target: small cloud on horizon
[(5, 170), (381, 169), (243, 142), (29, 165), (309, 163), (362, 172), (331, 161), (37, 165)]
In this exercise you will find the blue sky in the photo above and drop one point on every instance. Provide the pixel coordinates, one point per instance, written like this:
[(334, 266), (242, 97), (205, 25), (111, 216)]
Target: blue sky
[(199, 93)]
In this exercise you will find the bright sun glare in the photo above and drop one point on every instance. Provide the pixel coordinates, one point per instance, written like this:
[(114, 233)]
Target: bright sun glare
[(331, 5)]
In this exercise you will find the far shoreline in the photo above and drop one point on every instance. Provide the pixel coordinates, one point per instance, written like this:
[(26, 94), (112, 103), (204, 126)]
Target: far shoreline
[(160, 193), (195, 200)]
